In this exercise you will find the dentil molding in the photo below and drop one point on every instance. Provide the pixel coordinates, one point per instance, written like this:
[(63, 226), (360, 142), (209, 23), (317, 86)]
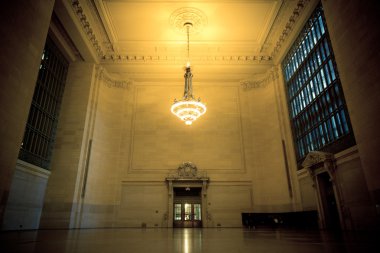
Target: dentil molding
[(99, 40), (289, 26)]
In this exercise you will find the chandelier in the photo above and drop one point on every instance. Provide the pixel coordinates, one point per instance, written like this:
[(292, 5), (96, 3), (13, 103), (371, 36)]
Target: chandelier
[(188, 109)]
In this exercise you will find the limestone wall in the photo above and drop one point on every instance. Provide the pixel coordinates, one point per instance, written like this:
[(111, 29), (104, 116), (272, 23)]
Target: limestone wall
[(63, 196), (26, 197), (119, 179), (24, 26), (354, 35)]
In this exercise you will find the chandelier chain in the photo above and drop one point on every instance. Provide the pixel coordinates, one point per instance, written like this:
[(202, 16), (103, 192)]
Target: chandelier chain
[(188, 109), (188, 42)]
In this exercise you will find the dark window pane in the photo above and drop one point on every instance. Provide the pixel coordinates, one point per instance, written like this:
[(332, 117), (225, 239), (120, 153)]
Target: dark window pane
[(43, 115), (318, 110)]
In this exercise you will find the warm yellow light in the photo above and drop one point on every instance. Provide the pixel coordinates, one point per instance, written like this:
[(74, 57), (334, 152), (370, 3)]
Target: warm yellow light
[(188, 110)]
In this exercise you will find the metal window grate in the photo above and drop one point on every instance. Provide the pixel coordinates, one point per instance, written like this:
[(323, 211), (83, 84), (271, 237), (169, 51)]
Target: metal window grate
[(318, 111), (41, 126)]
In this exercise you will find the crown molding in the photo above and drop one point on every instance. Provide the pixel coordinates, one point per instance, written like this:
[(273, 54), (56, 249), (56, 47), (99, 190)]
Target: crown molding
[(114, 58), (289, 26), (87, 27), (107, 51)]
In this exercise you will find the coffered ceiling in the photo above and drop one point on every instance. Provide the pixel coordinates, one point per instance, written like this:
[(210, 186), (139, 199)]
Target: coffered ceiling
[(240, 37)]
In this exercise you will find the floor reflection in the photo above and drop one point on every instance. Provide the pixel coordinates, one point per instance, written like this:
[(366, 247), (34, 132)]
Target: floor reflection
[(187, 240)]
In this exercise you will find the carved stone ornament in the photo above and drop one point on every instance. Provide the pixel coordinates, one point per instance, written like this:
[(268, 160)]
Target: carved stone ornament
[(315, 157), (184, 15), (187, 170), (270, 76), (112, 82)]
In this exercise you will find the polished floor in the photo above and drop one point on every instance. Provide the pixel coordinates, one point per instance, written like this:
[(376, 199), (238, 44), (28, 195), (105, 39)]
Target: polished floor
[(218, 240)]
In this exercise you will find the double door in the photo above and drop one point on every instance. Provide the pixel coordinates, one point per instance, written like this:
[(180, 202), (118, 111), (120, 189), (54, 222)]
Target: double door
[(187, 214)]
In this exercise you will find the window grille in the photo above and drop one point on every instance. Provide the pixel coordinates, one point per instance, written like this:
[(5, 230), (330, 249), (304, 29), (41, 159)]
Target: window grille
[(318, 111), (42, 121)]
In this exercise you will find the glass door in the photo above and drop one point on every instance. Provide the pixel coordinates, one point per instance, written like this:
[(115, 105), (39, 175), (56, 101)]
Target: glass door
[(187, 215)]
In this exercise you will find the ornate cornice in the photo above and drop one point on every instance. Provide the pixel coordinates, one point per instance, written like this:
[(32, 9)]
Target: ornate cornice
[(111, 82), (97, 36), (88, 30), (281, 15), (255, 83), (156, 58), (289, 26)]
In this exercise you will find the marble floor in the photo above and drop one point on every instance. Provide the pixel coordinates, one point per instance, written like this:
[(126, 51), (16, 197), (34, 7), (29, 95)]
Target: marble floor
[(218, 240)]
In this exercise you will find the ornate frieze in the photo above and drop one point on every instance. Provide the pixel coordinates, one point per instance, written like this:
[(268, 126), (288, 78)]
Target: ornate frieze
[(270, 76), (112, 82)]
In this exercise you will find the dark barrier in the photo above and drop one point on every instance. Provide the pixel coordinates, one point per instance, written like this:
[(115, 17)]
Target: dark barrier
[(303, 220)]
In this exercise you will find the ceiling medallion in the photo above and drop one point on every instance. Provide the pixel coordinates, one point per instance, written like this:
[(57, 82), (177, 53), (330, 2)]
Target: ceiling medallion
[(188, 15)]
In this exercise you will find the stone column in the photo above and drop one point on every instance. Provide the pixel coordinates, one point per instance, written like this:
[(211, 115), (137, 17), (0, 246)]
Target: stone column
[(24, 26)]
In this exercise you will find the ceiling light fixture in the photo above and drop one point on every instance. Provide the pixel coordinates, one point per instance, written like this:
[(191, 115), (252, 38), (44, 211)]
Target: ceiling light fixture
[(188, 109)]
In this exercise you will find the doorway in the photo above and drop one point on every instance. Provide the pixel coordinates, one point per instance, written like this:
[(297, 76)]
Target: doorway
[(328, 201), (187, 207)]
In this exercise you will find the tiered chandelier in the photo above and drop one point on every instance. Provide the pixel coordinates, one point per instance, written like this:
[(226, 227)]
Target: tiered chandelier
[(188, 109)]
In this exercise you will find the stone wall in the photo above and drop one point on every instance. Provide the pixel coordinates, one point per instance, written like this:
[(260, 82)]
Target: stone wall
[(26, 197), (63, 199), (24, 26), (354, 35)]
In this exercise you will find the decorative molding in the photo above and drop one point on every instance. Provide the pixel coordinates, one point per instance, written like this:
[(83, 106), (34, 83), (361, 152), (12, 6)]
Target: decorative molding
[(315, 157), (187, 170), (124, 58), (289, 25), (111, 82), (105, 39), (78, 10), (99, 39), (188, 15), (327, 161), (269, 77), (276, 26)]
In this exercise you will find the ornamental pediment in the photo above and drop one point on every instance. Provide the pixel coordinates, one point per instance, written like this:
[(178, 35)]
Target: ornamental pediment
[(188, 171), (315, 157)]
